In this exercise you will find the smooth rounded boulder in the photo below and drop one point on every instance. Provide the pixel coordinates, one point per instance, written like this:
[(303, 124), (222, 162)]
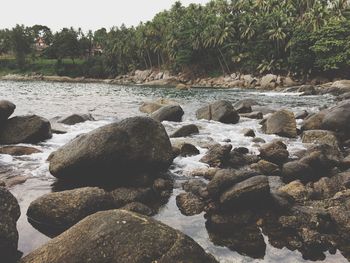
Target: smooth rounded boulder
[(119, 236), (118, 151), (186, 130), (75, 118), (9, 214), (25, 129), (6, 110), (168, 113), (221, 111), (281, 123)]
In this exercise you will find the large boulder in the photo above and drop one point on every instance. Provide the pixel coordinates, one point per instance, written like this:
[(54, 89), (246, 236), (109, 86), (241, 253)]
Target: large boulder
[(275, 152), (268, 81), (9, 214), (117, 150), (189, 204), (168, 113), (150, 107), (245, 106), (251, 190), (61, 210), (221, 111), (119, 236), (75, 118), (6, 109), (185, 131), (217, 155), (18, 150), (281, 123), (313, 122), (320, 137), (25, 129)]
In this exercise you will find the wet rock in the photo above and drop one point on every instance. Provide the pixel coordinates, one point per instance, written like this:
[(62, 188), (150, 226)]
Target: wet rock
[(10, 212), (102, 238), (123, 196), (225, 178), (239, 158), (249, 133), (25, 129), (18, 150), (275, 152), (6, 110), (258, 140), (58, 128), (307, 90), (301, 115), (320, 137), (297, 170), (207, 173), (188, 149), (185, 131), (244, 106), (114, 151), (296, 190), (161, 184), (328, 187), (15, 180), (75, 118), (196, 187), (189, 204), (253, 115), (217, 156), (61, 210), (150, 107), (168, 113), (139, 208), (221, 111), (182, 86), (281, 123), (266, 168), (268, 81), (228, 222), (313, 122), (247, 191)]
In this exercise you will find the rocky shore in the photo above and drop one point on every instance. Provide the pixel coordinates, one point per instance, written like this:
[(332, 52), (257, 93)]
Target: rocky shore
[(111, 180), (182, 81)]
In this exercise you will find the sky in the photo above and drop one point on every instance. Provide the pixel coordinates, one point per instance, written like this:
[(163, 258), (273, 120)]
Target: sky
[(86, 14)]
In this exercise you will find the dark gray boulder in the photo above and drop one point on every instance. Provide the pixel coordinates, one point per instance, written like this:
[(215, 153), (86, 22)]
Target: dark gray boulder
[(6, 110), (189, 204), (25, 129), (188, 149), (185, 131), (62, 210), (217, 155), (9, 214), (221, 111), (119, 151), (75, 118), (168, 113), (119, 236)]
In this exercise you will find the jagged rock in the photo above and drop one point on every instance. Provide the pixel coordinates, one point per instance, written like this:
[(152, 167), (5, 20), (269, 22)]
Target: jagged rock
[(268, 81), (295, 189), (217, 156), (244, 106), (185, 131), (196, 187), (102, 237), (221, 111), (320, 137), (25, 129), (275, 152), (168, 113), (266, 168), (188, 149), (189, 204), (281, 123), (249, 132)]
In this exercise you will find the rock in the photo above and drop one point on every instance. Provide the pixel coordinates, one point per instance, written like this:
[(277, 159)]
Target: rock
[(307, 90), (320, 137), (295, 189), (102, 238), (337, 119), (268, 81), (227, 222), (253, 115), (168, 113), (150, 107), (250, 190), (142, 75), (258, 140), (249, 132), (297, 170), (6, 110), (185, 131), (139, 208), (217, 155), (341, 85), (161, 184), (281, 123), (123, 196), (224, 179), (221, 111), (58, 128), (114, 151), (60, 210), (25, 129), (245, 106), (182, 86), (207, 173), (189, 204), (76, 118), (10, 212), (188, 149), (275, 152), (302, 115), (313, 122), (328, 187), (18, 150), (266, 168), (196, 187)]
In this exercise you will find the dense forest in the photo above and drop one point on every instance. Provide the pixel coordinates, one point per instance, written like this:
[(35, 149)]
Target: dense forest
[(299, 37)]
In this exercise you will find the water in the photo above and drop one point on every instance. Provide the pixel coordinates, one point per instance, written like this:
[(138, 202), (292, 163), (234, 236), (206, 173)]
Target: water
[(108, 103)]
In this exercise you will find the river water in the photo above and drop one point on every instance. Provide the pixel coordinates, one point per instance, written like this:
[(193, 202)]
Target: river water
[(109, 103)]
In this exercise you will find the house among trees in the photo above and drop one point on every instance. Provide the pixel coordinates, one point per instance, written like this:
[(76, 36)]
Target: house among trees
[(40, 44)]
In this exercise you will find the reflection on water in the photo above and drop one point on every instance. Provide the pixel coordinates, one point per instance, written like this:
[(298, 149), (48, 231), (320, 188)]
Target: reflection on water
[(110, 102)]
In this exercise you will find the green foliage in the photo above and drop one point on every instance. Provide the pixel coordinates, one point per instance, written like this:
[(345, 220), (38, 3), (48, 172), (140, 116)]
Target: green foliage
[(21, 43)]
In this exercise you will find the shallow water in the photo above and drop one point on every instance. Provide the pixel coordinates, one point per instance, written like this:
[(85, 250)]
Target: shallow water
[(108, 103)]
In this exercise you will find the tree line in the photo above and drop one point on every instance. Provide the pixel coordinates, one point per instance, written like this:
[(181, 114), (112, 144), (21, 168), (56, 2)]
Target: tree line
[(300, 37)]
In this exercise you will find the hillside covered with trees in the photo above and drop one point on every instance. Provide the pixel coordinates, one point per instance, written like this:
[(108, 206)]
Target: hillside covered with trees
[(298, 37)]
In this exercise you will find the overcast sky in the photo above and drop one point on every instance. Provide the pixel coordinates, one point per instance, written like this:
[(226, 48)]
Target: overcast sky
[(86, 14)]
